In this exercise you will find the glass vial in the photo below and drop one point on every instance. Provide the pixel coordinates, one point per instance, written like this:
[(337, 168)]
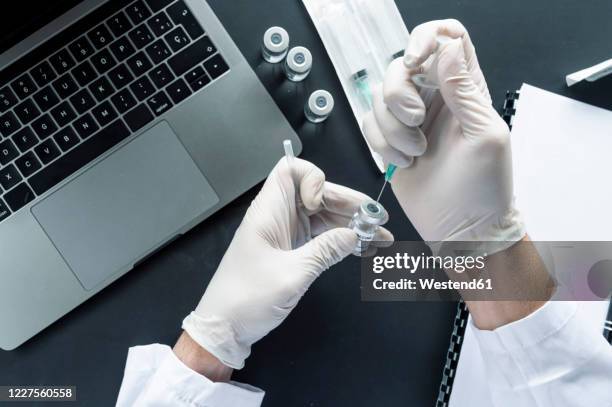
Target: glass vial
[(275, 44), (366, 221), (298, 64), (319, 106)]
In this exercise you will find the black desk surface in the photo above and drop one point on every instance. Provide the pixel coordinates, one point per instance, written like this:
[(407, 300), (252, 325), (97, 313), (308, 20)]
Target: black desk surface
[(333, 350)]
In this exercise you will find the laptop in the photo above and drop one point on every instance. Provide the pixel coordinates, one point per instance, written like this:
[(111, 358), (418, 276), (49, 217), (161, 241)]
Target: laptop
[(123, 124)]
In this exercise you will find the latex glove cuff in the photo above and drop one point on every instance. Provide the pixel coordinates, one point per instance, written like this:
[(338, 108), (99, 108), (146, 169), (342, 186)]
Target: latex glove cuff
[(487, 238), (220, 339)]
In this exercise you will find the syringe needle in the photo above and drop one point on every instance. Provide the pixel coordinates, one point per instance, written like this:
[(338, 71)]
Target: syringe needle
[(388, 175), (381, 191)]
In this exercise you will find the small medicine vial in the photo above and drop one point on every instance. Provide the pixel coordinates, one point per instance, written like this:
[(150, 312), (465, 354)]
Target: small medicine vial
[(298, 64), (319, 106), (275, 44), (366, 221)]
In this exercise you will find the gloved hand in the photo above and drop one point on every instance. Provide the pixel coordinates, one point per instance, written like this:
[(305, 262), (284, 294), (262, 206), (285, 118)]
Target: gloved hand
[(459, 186), (273, 259)]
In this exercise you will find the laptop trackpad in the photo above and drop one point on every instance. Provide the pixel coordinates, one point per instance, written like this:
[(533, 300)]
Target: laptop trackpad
[(117, 211)]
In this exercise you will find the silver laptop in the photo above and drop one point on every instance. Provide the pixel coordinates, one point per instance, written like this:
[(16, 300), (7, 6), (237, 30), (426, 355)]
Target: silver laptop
[(123, 124)]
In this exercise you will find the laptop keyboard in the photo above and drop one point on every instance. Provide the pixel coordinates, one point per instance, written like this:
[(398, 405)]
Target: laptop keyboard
[(113, 72)]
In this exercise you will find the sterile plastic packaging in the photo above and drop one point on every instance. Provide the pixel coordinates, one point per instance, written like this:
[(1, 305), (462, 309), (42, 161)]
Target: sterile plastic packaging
[(361, 37)]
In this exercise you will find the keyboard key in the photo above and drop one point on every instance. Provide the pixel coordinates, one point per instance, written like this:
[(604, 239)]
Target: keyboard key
[(8, 152), (191, 56), (62, 61), (82, 101), (139, 64), (19, 197), (27, 111), (65, 86), (159, 103), (25, 139), (177, 38), (103, 61), (43, 73), (7, 99), (194, 74), (46, 98), (181, 14), (199, 83), (100, 36), (66, 138), (161, 76), (9, 177), (157, 5), (23, 86), (137, 12), (142, 88), (123, 101), (158, 51), (47, 151), (85, 125), (160, 24), (216, 66), (28, 164), (178, 90), (101, 89), (122, 48), (8, 124), (44, 126), (120, 76), (141, 36), (81, 49), (79, 157), (4, 211), (63, 114), (138, 117), (119, 24), (104, 113), (84, 73)]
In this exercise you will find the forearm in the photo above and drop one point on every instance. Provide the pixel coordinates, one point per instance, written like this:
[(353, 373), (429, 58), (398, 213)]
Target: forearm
[(515, 268), (200, 360)]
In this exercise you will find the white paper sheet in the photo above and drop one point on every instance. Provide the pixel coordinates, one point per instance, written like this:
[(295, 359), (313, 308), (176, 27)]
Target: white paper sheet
[(562, 164)]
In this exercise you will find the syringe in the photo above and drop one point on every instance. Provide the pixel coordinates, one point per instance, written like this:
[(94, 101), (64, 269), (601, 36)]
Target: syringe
[(429, 82), (388, 175)]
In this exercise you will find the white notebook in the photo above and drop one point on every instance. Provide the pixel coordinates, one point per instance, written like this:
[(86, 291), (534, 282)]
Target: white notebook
[(562, 159)]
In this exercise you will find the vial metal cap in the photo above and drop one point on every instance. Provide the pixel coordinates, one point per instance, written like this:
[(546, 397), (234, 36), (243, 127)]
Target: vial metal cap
[(299, 59), (276, 39), (321, 102), (373, 213)]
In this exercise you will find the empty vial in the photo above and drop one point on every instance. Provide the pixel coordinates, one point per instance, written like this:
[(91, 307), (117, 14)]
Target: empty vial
[(366, 221), (298, 64), (275, 44), (319, 106)]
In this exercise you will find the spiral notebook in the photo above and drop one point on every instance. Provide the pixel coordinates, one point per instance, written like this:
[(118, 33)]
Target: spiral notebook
[(580, 136)]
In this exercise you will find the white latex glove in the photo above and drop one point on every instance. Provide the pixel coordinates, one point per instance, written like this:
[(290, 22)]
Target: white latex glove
[(459, 186), (273, 259)]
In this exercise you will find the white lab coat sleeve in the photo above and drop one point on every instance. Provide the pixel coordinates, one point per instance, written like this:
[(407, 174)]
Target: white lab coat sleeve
[(154, 376), (550, 358)]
